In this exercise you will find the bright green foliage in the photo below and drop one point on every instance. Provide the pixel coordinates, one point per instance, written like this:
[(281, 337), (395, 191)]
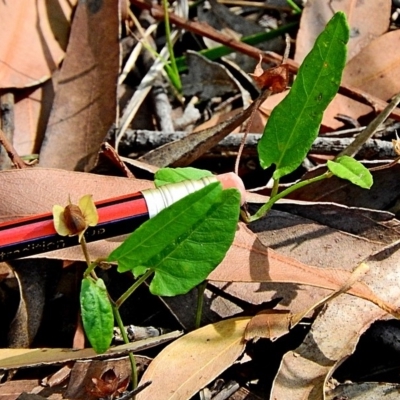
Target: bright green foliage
[(97, 314), (350, 169), (294, 123), (174, 175), (183, 243)]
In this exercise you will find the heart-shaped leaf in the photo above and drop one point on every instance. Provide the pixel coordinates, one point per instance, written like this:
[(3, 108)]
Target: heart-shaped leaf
[(184, 242), (294, 123), (97, 314), (350, 169)]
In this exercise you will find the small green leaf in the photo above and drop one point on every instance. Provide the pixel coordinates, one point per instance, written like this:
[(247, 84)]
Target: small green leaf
[(174, 175), (350, 169), (183, 243), (97, 314), (294, 123)]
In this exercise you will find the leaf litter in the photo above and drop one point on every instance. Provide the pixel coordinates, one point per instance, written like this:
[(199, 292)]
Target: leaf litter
[(284, 257)]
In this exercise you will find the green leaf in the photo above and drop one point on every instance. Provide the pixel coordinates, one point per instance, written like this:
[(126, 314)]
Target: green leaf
[(97, 314), (174, 175), (184, 242), (350, 169), (294, 123)]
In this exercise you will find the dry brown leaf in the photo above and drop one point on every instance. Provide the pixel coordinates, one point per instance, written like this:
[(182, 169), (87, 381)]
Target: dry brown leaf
[(367, 19), (272, 324), (31, 112), (85, 103), (33, 40), (275, 79), (32, 279), (19, 358), (268, 324), (11, 390), (104, 375), (36, 190), (248, 260), (189, 363), (376, 69), (336, 331)]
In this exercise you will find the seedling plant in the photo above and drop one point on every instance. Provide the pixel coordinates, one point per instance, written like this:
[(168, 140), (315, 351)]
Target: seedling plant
[(201, 226)]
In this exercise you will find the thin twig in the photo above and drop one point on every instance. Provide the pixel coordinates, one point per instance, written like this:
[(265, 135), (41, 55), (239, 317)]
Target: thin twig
[(360, 140), (17, 161)]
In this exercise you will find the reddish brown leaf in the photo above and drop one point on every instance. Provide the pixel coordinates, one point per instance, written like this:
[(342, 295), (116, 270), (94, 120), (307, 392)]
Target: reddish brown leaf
[(275, 79), (367, 19), (33, 40)]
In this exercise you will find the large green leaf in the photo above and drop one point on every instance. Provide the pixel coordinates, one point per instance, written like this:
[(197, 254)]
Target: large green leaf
[(97, 315), (174, 175), (352, 170), (183, 243), (294, 123)]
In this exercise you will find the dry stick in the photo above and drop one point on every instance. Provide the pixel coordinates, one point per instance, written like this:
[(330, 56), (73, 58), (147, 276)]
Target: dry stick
[(206, 30), (17, 161), (361, 138), (141, 141)]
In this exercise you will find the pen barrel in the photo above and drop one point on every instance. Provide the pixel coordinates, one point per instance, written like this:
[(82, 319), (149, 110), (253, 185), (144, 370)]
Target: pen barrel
[(117, 216)]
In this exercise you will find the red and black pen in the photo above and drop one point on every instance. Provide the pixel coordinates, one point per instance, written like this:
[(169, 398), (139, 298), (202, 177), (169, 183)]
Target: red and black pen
[(117, 216)]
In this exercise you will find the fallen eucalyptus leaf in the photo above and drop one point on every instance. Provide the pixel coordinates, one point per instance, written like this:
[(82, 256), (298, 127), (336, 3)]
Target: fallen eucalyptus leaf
[(189, 363), (21, 358)]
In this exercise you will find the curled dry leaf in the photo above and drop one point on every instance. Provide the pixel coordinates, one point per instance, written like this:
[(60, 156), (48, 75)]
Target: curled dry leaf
[(109, 385), (336, 331), (275, 79)]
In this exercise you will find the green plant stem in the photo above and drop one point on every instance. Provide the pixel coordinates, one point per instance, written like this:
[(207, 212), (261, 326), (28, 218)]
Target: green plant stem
[(268, 205), (85, 252), (275, 188), (200, 301), (92, 266), (296, 8), (131, 289), (132, 360), (176, 79)]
